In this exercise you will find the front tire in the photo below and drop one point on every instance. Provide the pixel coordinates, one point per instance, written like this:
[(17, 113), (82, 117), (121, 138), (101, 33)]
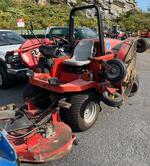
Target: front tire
[(113, 100), (4, 78), (83, 112)]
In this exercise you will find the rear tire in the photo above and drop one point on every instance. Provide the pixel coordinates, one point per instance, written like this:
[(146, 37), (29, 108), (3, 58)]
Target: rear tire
[(135, 87), (83, 112), (141, 45), (4, 78)]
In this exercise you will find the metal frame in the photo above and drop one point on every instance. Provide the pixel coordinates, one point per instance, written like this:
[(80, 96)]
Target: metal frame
[(100, 24)]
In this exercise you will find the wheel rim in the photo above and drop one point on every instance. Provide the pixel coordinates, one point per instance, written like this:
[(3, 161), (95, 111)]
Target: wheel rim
[(113, 96), (90, 112), (1, 80)]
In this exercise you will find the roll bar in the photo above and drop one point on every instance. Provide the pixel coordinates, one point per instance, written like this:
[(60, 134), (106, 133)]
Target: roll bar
[(99, 20)]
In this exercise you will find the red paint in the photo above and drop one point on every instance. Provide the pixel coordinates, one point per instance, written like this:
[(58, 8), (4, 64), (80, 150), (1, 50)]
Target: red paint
[(124, 51), (35, 147)]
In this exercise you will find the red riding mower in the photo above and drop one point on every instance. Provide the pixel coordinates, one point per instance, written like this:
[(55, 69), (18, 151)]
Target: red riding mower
[(68, 88)]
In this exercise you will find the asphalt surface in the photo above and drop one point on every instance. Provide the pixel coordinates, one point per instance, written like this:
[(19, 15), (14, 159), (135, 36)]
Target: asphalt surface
[(120, 137)]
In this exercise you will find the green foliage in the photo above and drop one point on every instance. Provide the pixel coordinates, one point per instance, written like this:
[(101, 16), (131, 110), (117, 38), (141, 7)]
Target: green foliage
[(4, 4), (41, 16), (134, 21), (58, 15)]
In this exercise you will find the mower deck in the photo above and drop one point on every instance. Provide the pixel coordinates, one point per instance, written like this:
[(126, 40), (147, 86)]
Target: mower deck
[(38, 149), (37, 137)]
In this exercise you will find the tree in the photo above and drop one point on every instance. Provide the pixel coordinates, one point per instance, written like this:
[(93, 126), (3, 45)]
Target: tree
[(4, 4), (148, 8), (134, 21)]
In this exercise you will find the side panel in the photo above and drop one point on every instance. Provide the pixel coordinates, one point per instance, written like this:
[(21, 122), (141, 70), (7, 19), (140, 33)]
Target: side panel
[(130, 61)]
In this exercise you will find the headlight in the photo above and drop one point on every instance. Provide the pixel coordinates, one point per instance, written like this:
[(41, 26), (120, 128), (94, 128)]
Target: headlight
[(11, 57), (14, 60)]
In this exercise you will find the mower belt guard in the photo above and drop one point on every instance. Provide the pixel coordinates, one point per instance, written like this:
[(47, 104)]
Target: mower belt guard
[(41, 149)]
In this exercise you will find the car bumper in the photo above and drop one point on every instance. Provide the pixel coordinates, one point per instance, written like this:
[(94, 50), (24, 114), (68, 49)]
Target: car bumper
[(18, 72)]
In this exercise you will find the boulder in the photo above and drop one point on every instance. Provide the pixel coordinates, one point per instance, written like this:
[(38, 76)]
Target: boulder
[(113, 7)]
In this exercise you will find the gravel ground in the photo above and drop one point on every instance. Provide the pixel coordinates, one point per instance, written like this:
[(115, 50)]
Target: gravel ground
[(120, 137)]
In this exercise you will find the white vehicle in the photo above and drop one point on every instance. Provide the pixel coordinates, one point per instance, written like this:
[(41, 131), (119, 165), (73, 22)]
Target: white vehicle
[(10, 40)]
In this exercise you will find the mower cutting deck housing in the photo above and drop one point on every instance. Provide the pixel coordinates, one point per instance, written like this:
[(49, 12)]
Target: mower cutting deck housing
[(37, 135)]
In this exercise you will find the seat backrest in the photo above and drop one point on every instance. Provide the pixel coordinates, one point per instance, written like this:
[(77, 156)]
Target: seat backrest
[(83, 50)]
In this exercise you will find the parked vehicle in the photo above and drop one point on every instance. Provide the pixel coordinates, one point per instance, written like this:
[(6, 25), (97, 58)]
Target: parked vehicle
[(69, 88), (145, 34), (79, 33), (115, 32), (9, 41)]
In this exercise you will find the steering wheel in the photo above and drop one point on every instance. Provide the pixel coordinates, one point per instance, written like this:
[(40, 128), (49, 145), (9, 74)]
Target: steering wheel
[(61, 40)]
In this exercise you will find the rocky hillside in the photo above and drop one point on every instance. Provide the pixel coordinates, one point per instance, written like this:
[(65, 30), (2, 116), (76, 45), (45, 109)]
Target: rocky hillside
[(45, 13), (114, 7)]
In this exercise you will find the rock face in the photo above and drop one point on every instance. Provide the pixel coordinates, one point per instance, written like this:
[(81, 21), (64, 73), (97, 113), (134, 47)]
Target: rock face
[(70, 2), (113, 7)]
